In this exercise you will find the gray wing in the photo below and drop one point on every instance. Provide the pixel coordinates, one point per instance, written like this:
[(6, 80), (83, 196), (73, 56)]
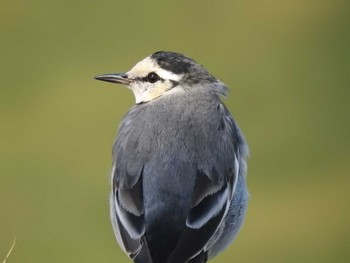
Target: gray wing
[(216, 181), (127, 209)]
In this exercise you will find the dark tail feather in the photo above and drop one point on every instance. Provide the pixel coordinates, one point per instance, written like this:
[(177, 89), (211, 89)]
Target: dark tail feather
[(143, 256), (193, 241), (201, 258)]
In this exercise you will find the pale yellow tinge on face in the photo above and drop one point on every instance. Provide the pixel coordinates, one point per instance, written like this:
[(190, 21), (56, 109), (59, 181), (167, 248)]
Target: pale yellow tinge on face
[(145, 91), (152, 94)]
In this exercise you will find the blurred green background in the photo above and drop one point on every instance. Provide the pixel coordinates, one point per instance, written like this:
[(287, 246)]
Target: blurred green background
[(287, 64)]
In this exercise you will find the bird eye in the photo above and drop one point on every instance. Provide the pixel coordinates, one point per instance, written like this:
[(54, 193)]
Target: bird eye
[(152, 77)]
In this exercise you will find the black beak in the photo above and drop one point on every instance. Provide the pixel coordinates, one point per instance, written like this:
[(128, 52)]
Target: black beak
[(120, 78)]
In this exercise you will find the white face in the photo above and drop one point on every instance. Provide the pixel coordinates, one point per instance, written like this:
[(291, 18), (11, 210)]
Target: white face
[(144, 90)]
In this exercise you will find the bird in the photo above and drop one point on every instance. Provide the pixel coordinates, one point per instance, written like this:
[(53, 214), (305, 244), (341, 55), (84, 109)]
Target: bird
[(179, 166)]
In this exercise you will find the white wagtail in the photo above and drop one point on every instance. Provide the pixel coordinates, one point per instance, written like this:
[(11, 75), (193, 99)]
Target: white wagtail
[(179, 163)]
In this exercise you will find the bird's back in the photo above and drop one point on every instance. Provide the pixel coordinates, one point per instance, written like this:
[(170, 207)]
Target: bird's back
[(164, 147)]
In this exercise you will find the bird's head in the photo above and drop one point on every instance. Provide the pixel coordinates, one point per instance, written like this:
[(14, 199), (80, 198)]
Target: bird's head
[(162, 72)]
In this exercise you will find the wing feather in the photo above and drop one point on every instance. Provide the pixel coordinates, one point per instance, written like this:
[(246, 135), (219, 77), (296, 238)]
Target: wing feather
[(213, 192)]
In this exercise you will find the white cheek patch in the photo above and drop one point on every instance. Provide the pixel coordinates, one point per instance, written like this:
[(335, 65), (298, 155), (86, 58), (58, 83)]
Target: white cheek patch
[(145, 91), (139, 91)]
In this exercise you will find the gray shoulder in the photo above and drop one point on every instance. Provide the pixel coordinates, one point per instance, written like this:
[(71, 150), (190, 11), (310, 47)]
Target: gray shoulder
[(225, 143)]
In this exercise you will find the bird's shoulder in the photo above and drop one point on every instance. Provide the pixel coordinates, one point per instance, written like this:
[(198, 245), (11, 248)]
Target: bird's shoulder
[(200, 129)]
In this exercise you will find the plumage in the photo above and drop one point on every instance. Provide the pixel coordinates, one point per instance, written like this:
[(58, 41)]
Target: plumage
[(178, 179)]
